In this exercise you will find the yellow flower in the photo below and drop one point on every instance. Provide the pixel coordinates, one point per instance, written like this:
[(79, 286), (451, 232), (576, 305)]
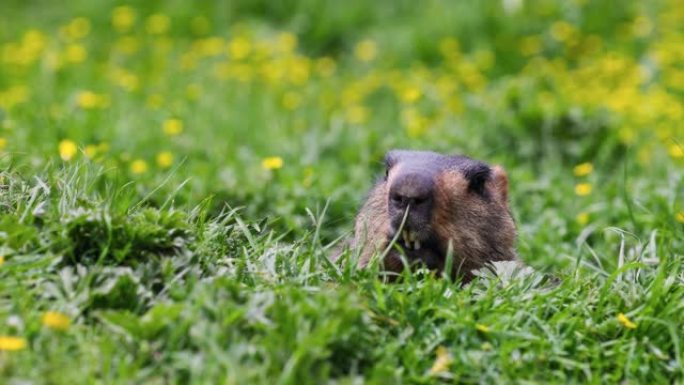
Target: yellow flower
[(90, 151), (583, 189), (56, 320), (239, 48), (272, 163), (138, 166), (76, 29), (582, 219), (287, 42), (356, 114), (482, 328), (410, 94), (442, 361), (680, 217), (164, 159), (562, 30), (158, 24), (583, 169), (123, 18), (622, 318), (292, 100), (75, 53), (2, 260), (89, 100), (3, 143), (173, 127), (676, 151), (8, 343), (67, 149), (366, 50)]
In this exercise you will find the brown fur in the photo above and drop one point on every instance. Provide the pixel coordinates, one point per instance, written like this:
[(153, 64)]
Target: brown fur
[(477, 228)]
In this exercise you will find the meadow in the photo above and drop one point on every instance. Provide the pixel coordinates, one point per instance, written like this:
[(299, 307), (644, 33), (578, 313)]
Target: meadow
[(174, 176)]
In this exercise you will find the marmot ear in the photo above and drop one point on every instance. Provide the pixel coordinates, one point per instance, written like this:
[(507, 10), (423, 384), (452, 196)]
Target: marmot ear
[(500, 183)]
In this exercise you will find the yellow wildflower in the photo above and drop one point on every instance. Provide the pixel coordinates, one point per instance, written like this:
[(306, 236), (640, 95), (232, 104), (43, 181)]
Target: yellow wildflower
[(582, 219), (173, 127), (410, 94), (583, 189), (482, 328), (622, 318), (138, 166), (56, 320), (158, 24), (2, 260), (357, 114), (90, 151), (562, 30), (89, 100), (3, 143), (164, 159), (442, 361), (76, 29), (272, 163), (8, 343), (123, 18), (287, 42), (366, 50), (292, 100), (67, 149), (583, 169), (680, 217), (75, 53), (676, 151), (239, 48)]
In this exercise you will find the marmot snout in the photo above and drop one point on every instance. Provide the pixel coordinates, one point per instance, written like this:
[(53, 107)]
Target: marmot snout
[(444, 203)]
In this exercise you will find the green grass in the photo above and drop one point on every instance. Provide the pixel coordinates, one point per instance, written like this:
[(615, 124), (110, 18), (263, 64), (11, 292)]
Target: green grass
[(211, 268)]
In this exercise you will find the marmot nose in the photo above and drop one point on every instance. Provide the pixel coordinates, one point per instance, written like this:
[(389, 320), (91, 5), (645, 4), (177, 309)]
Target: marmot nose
[(412, 189)]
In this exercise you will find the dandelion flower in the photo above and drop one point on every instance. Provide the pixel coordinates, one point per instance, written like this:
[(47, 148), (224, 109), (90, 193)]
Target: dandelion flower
[(165, 159), (366, 50), (676, 151), (8, 343), (272, 163), (56, 320), (90, 151), (680, 217), (583, 169), (67, 149), (622, 318), (75, 53), (442, 361), (357, 114), (582, 219), (239, 48), (173, 127), (583, 189), (158, 24), (2, 260), (123, 18), (3, 143), (138, 167), (482, 328)]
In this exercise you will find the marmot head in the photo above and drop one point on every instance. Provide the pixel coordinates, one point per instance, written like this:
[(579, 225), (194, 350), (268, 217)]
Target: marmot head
[(432, 203)]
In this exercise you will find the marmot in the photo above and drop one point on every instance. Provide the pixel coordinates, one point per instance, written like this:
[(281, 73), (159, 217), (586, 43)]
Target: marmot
[(445, 203)]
